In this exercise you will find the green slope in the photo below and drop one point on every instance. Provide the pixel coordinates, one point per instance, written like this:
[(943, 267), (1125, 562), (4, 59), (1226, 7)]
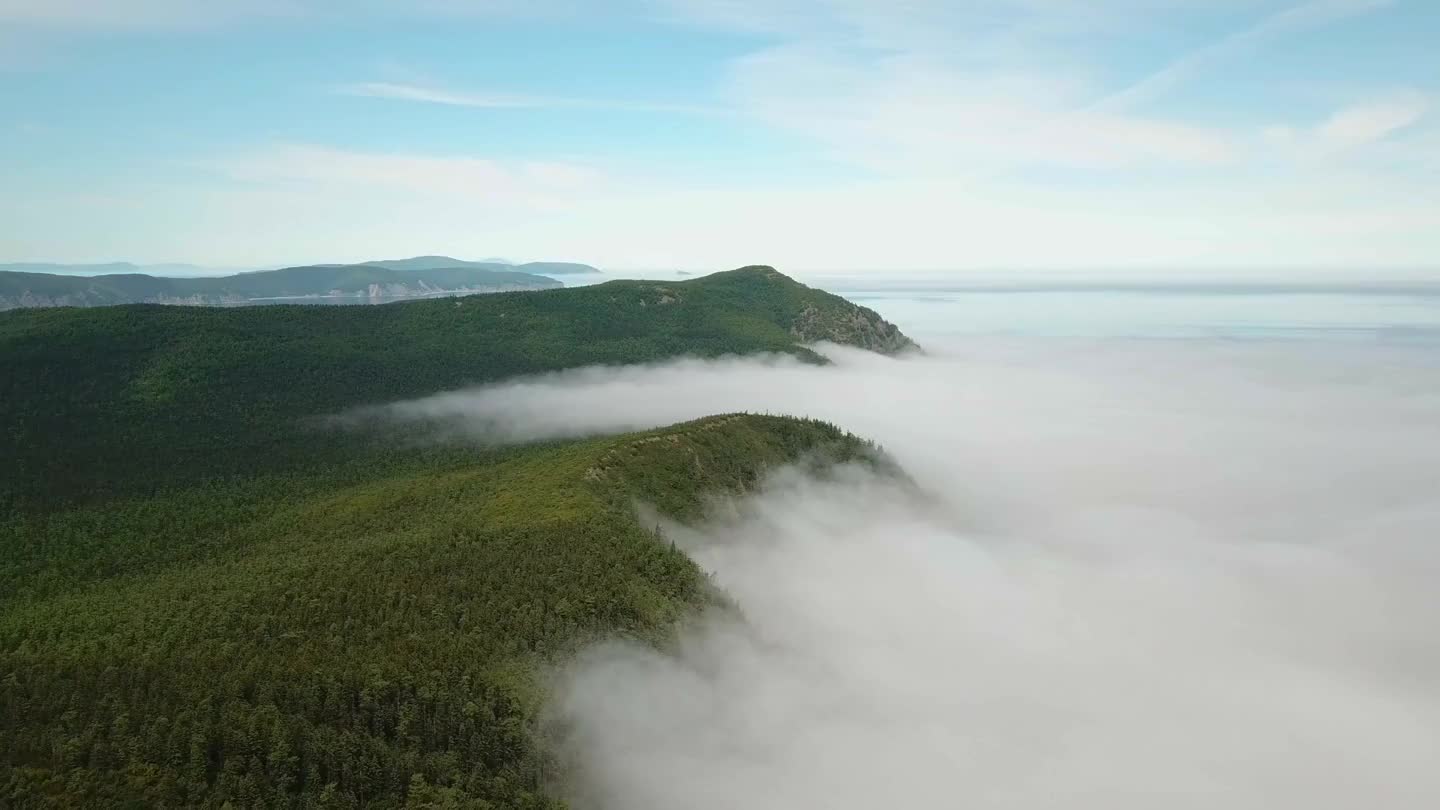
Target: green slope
[(113, 400), (39, 289), (344, 641), (208, 599)]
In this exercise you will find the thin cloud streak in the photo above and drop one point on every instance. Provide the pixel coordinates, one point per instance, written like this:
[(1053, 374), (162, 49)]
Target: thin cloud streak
[(432, 95), (1371, 121), (1187, 67)]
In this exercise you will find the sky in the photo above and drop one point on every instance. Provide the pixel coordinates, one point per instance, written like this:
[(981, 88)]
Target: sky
[(855, 135)]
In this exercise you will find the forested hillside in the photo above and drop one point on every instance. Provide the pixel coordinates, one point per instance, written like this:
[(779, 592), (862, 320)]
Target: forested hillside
[(124, 399), (210, 598), (369, 639)]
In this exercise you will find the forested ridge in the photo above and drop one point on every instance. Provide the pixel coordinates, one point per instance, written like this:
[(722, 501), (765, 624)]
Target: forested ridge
[(209, 599), (107, 400), (314, 642)]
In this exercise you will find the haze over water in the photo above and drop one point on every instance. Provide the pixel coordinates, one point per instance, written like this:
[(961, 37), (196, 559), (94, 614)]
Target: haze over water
[(959, 305)]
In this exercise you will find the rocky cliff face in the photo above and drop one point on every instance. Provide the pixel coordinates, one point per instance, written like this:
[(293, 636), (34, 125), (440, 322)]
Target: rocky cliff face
[(29, 299), (851, 325), (810, 315), (87, 299)]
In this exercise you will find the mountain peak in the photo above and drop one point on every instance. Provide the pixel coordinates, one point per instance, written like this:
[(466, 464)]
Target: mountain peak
[(810, 314)]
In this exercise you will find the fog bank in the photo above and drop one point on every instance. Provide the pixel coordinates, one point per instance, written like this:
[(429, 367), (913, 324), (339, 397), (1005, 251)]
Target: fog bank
[(1140, 574)]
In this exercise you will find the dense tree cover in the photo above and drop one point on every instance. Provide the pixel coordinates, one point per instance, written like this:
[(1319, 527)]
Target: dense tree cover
[(106, 401), (367, 639), (208, 598)]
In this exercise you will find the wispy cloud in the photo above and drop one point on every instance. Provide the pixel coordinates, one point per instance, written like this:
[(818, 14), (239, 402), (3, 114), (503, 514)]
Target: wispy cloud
[(919, 113), (1360, 124), (942, 116), (434, 95), (1195, 63), (1373, 120), (965, 89)]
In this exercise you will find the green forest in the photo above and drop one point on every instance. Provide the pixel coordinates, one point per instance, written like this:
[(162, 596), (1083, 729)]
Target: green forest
[(111, 400), (209, 599)]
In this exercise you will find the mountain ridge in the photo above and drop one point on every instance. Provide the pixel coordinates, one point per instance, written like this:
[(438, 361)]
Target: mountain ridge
[(104, 399), (173, 269), (372, 639), (213, 596), (308, 284)]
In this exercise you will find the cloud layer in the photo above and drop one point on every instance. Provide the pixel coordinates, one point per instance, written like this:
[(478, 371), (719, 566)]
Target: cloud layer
[(1136, 574)]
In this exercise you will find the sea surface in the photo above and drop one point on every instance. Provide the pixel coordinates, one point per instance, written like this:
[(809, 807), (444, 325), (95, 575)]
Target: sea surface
[(1388, 312)]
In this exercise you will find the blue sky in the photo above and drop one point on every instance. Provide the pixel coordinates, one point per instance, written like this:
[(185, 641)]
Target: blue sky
[(810, 134)]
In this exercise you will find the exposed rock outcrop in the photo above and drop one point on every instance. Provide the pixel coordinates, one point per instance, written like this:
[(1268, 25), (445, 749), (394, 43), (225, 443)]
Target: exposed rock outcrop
[(853, 326)]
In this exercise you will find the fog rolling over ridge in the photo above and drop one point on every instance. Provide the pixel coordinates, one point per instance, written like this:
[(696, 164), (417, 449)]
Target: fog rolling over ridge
[(1133, 575)]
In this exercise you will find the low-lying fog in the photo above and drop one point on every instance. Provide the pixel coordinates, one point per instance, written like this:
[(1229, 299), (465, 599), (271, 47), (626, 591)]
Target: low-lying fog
[(1145, 574)]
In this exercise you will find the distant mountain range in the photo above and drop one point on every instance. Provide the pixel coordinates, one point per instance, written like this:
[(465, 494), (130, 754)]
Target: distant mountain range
[(540, 268), (123, 268), (194, 270), (373, 282)]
